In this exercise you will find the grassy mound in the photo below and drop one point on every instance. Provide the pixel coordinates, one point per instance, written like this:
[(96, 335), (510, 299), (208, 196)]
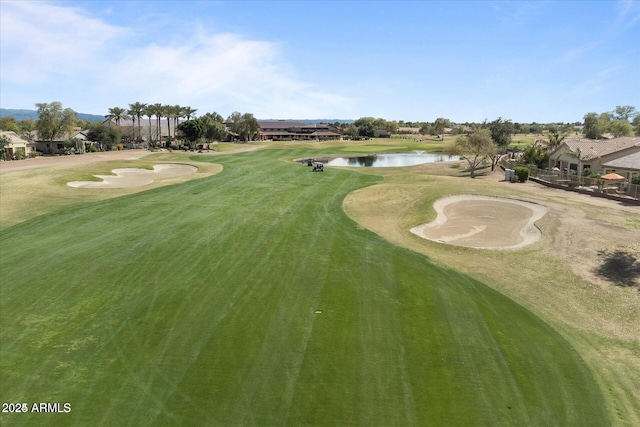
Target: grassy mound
[(249, 297)]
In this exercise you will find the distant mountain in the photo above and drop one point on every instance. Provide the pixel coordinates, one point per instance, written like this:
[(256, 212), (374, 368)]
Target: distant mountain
[(33, 114), (313, 121)]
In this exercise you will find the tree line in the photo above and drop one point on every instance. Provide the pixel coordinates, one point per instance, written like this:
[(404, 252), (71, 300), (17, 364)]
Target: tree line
[(623, 121), (490, 140), (54, 122), (208, 127)]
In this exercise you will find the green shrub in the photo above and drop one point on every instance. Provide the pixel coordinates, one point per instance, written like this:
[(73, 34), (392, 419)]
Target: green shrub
[(522, 173), (635, 179), (535, 155)]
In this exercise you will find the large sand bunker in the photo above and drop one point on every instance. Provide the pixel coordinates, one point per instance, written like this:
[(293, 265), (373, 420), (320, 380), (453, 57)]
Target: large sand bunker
[(483, 222), (132, 177)]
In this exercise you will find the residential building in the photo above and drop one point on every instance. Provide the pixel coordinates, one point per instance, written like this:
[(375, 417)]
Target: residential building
[(626, 166), (18, 147), (597, 155), (284, 130)]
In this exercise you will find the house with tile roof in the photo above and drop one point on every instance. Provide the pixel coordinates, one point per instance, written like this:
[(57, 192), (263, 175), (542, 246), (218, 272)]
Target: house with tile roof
[(626, 166), (582, 153), (284, 130), (18, 147)]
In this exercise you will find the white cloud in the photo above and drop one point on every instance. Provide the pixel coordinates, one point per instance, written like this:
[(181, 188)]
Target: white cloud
[(220, 69), (578, 52), (50, 45), (40, 41), (516, 13), (628, 12)]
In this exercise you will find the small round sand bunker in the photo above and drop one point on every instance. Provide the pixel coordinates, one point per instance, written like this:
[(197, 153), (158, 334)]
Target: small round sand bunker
[(132, 177), (483, 222)]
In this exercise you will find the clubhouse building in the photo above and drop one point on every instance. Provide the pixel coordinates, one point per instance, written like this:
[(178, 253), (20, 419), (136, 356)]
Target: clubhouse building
[(284, 130)]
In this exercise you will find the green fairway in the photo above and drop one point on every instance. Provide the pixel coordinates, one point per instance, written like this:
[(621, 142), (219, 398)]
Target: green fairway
[(250, 298)]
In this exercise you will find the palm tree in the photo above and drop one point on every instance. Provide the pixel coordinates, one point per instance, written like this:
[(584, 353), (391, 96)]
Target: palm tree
[(158, 111), (176, 113), (171, 112), (148, 111), (117, 114), (555, 139), (136, 110), (188, 112)]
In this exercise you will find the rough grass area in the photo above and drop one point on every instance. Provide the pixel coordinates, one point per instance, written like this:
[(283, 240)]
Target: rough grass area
[(196, 304), (600, 320), (29, 193)]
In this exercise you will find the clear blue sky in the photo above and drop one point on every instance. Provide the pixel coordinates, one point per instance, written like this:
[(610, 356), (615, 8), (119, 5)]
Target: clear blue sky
[(542, 61)]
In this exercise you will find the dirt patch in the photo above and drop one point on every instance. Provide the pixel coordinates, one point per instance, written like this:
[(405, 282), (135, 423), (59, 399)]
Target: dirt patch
[(77, 159), (620, 267), (134, 177), (483, 222)]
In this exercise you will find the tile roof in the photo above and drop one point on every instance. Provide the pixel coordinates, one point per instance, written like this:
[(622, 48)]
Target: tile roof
[(286, 128), (595, 148), (628, 162), (14, 137), (279, 124)]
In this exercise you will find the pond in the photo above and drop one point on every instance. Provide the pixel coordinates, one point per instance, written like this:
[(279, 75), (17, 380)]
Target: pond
[(392, 160)]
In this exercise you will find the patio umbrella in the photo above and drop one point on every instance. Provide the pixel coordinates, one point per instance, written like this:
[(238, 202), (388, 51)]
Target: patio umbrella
[(612, 176)]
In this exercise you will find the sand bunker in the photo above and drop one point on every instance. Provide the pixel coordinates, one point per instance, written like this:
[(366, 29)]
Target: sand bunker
[(131, 177), (483, 222)]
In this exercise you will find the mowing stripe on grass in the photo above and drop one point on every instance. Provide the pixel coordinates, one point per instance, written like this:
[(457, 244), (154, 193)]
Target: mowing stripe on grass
[(196, 304)]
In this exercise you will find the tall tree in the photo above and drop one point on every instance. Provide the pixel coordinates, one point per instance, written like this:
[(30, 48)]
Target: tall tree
[(535, 155), (501, 131), (168, 114), (5, 141), (592, 126), (350, 130), (9, 124), (425, 128), (624, 112), (245, 125), (555, 139), (476, 148), (27, 126), (137, 110), (249, 126), (148, 111), (106, 136), (621, 128), (366, 129), (636, 124), (215, 116), (187, 112), (54, 121), (158, 111), (193, 130), (117, 114), (440, 124), (215, 129), (177, 112)]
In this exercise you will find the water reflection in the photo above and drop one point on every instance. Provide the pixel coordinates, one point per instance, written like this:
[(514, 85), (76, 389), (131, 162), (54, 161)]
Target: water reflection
[(391, 160)]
